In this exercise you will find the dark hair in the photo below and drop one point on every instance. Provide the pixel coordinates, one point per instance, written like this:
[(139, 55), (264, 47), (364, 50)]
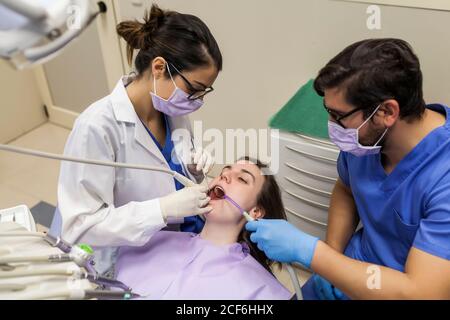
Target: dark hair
[(182, 39), (374, 70), (269, 199)]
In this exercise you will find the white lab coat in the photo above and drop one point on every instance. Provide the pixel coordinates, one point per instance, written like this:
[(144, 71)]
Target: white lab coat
[(112, 207)]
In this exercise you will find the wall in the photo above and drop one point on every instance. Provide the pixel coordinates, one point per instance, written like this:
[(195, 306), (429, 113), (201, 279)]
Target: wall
[(77, 77), (272, 47), (427, 4), (21, 106)]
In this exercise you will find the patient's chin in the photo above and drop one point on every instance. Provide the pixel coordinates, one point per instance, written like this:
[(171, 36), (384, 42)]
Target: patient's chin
[(216, 204)]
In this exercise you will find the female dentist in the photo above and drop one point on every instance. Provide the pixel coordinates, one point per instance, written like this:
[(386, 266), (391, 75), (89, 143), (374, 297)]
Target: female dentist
[(178, 62)]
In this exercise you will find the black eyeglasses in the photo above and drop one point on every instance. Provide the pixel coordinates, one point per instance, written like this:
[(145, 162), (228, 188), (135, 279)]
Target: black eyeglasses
[(196, 93), (339, 117)]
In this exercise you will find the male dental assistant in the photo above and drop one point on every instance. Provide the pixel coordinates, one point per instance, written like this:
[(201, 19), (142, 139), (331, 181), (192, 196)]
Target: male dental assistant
[(394, 177)]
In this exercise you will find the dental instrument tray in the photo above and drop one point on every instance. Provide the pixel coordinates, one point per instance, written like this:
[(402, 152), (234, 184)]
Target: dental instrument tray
[(36, 266)]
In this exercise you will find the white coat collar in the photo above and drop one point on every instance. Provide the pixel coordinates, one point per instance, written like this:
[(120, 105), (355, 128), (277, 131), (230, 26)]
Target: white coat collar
[(124, 112), (121, 103), (124, 109)]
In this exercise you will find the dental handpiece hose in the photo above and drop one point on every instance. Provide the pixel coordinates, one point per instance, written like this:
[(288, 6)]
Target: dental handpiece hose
[(182, 179)]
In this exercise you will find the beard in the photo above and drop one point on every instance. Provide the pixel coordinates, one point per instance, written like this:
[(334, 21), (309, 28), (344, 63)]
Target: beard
[(372, 138)]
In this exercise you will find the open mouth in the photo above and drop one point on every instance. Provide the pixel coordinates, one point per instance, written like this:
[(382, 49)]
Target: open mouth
[(216, 193)]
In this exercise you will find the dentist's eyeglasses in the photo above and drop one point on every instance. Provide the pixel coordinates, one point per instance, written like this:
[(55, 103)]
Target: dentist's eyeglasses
[(339, 117), (196, 93)]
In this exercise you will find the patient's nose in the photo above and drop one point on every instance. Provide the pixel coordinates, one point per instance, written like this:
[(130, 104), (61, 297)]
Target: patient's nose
[(225, 177)]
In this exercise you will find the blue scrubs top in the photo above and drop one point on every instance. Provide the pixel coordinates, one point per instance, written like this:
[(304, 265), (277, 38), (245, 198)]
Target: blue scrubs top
[(191, 224), (410, 207)]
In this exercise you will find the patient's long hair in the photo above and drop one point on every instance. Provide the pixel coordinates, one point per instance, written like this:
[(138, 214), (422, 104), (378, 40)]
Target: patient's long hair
[(268, 199)]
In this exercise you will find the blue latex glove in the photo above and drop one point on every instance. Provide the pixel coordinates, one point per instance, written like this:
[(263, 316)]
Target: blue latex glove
[(282, 242), (325, 290)]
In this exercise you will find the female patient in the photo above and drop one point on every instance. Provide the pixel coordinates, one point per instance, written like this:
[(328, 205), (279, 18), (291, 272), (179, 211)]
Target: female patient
[(221, 262)]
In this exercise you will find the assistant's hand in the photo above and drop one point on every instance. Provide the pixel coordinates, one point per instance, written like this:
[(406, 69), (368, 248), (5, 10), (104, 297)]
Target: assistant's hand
[(186, 202), (282, 242), (325, 290)]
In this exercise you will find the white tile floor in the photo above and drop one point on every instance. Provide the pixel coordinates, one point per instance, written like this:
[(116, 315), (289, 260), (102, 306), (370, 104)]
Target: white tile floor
[(28, 180)]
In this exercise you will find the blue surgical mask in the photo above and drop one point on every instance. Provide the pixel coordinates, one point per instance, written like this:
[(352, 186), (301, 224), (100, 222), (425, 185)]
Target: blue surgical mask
[(348, 139)]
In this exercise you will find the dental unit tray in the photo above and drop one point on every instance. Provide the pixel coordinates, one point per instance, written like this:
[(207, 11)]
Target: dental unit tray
[(34, 265)]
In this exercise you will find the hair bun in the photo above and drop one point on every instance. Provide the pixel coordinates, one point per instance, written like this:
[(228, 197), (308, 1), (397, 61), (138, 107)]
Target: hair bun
[(138, 35), (153, 20), (131, 32), (183, 39)]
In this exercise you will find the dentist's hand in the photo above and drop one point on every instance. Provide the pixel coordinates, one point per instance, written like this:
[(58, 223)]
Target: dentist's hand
[(325, 290), (201, 162), (282, 242), (186, 202)]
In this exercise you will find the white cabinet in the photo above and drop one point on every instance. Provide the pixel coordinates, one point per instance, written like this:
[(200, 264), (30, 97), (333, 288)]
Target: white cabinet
[(307, 175)]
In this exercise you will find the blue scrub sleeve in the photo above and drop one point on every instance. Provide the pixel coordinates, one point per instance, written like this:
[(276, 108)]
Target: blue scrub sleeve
[(342, 168), (192, 224), (433, 235)]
